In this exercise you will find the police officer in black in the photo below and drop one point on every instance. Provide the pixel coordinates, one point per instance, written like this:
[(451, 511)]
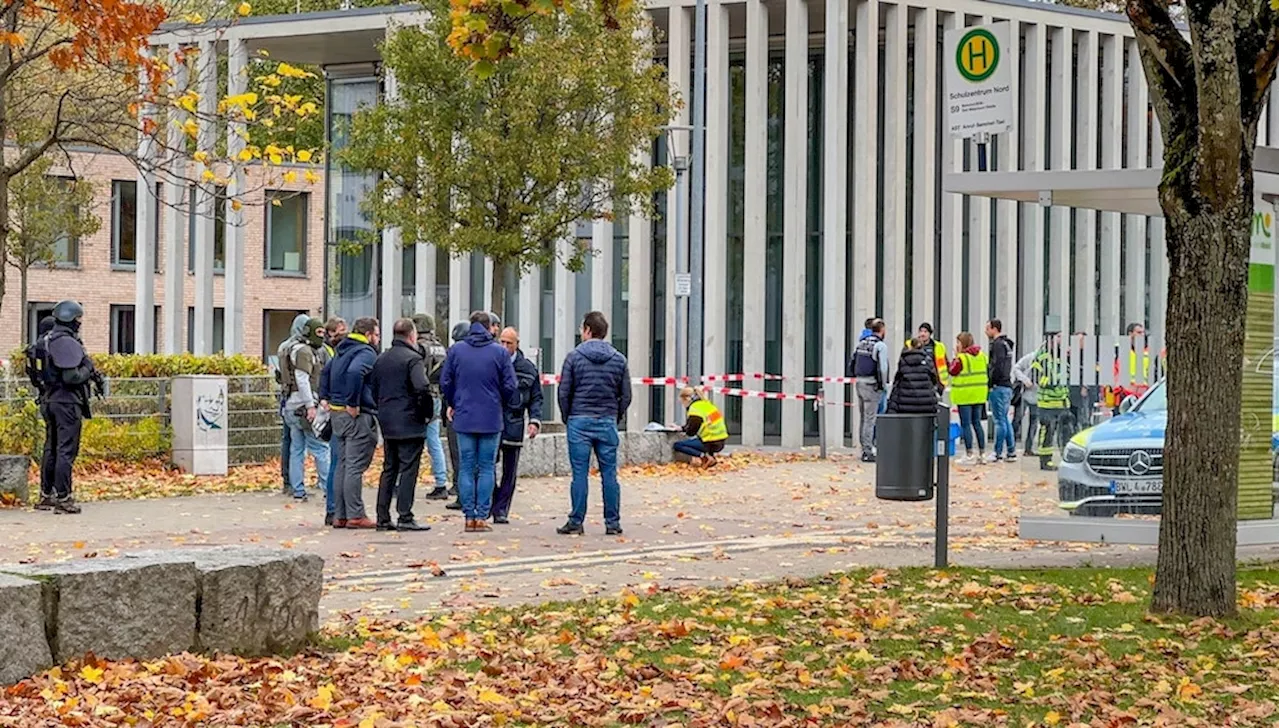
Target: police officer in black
[(35, 354), (69, 374)]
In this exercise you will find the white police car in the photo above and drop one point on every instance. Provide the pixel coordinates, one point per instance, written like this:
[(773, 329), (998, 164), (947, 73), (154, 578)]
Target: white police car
[(1118, 466)]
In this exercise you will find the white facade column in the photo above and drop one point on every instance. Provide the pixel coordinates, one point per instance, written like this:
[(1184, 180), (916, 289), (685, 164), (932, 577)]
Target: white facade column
[(866, 82), (1159, 283), (978, 285), (1086, 238), (144, 294), (950, 268), (716, 244), (1006, 219), (459, 289), (206, 197), (639, 309), (566, 324), (794, 194), (233, 292), (1110, 136), (924, 170), (835, 201), (530, 311), (678, 55), (175, 215), (1031, 323), (602, 267), (392, 264), (1135, 226), (754, 224), (894, 285), (424, 279), (489, 283), (1060, 115)]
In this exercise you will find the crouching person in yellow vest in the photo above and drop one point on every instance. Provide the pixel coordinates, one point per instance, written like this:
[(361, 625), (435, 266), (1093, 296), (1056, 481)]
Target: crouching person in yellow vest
[(705, 426)]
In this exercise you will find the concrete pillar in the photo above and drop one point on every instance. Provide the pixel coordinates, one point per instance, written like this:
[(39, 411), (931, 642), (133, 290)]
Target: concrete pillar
[(233, 297), (1031, 323), (835, 208), (1086, 238), (894, 284), (530, 314), (391, 269), (865, 188), (1006, 219), (952, 230), (602, 267), (424, 279), (924, 240), (144, 297), (206, 199), (1110, 136), (794, 190), (716, 244), (754, 225), (566, 323), (489, 283), (1135, 226), (678, 61), (175, 215), (639, 311), (1060, 115), (459, 288)]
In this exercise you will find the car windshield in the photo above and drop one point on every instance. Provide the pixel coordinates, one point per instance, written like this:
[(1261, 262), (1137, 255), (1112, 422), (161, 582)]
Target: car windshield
[(1155, 400)]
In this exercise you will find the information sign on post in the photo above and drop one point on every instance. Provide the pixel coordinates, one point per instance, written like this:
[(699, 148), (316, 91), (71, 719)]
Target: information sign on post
[(978, 78)]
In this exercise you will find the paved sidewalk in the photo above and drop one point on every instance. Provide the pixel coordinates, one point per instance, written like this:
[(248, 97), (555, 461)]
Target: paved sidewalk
[(771, 520)]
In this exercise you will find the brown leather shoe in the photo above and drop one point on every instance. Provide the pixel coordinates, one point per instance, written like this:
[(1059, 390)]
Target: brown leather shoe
[(480, 526), (361, 523), (339, 523)]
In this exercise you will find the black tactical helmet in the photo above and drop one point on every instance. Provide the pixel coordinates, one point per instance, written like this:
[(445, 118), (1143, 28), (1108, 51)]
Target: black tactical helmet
[(67, 311)]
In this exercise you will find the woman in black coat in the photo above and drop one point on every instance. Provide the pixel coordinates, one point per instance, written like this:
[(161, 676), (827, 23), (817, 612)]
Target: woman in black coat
[(916, 386)]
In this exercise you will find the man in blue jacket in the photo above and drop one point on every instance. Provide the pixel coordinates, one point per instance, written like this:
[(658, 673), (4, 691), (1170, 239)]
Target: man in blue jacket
[(354, 411), (594, 394), (478, 381)]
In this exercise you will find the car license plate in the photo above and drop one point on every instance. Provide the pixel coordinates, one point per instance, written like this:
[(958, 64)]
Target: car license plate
[(1136, 487)]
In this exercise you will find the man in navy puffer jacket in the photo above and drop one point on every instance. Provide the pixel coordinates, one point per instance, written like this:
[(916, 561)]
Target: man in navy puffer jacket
[(594, 394), (478, 382), (346, 382)]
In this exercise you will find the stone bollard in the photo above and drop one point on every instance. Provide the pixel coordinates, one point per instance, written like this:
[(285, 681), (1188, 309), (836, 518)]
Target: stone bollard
[(24, 646), (13, 479)]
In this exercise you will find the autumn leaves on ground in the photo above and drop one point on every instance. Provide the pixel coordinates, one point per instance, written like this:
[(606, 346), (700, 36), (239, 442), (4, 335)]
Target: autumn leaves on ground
[(1072, 648)]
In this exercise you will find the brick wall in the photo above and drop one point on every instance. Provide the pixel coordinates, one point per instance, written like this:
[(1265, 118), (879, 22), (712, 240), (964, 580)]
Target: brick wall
[(98, 285)]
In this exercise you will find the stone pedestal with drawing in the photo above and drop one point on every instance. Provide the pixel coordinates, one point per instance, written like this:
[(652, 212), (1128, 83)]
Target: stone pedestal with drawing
[(198, 415)]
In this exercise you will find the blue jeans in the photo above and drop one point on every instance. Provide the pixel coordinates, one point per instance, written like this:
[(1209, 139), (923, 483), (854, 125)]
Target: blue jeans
[(302, 440), (435, 449), (476, 456), (585, 435), (692, 447), (999, 399), (333, 471), (971, 426)]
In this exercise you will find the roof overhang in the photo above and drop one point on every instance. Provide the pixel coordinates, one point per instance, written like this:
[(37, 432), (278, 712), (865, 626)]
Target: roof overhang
[(1131, 191)]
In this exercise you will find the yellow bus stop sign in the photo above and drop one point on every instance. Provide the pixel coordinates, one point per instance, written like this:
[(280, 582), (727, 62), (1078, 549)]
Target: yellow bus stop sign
[(977, 55)]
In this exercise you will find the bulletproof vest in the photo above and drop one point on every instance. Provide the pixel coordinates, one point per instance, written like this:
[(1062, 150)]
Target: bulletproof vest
[(50, 373), (288, 382), (864, 357), (35, 354)]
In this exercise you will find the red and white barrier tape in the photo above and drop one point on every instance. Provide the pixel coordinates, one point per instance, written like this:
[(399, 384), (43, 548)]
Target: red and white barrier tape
[(743, 377), (652, 381), (735, 392), (833, 380)]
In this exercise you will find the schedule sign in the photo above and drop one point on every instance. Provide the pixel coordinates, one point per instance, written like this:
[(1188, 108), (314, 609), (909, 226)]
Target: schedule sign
[(978, 80)]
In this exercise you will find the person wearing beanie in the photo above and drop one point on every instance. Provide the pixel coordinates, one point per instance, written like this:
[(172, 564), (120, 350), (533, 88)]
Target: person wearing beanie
[(433, 354), (934, 349)]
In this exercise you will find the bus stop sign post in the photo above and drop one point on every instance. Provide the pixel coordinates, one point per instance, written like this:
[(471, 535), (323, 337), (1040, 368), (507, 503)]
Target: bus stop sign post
[(942, 434)]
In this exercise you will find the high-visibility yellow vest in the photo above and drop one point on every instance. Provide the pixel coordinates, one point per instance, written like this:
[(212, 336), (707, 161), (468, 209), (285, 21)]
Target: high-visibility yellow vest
[(1050, 381), (970, 385), (713, 428), (939, 360)]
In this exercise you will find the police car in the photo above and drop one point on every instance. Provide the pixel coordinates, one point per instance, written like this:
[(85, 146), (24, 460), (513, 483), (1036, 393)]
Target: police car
[(1118, 466)]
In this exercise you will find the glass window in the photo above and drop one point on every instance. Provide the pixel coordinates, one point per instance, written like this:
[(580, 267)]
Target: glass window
[(351, 260), (276, 324), (124, 222), (66, 249), (287, 231), (219, 230), (35, 311), (122, 322), (219, 329)]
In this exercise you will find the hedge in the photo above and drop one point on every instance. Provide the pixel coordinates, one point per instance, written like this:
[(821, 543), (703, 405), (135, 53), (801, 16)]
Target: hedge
[(139, 366), (138, 438)]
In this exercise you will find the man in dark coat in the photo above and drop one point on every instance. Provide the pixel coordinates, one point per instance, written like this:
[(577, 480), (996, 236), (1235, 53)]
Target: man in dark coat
[(514, 428), (916, 386), (354, 413), (403, 396), (478, 381), (594, 394)]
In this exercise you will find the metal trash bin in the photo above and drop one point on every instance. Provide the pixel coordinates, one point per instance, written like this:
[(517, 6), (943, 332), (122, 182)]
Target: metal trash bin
[(905, 457)]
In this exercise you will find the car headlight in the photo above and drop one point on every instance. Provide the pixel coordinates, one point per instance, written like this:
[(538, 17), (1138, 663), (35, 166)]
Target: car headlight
[(1073, 453)]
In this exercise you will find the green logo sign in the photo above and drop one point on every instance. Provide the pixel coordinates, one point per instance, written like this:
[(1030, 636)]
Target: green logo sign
[(977, 55)]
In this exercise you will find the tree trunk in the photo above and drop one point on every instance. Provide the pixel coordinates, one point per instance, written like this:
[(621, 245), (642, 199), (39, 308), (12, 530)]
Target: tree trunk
[(22, 304), (498, 296)]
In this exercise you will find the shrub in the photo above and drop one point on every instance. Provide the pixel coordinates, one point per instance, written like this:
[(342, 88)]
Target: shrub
[(135, 438), (132, 366)]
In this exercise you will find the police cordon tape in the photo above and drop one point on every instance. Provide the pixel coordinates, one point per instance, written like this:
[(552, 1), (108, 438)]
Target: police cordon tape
[(754, 376), (552, 379)]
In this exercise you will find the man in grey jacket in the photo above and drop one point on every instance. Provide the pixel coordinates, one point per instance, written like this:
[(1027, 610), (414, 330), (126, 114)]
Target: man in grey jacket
[(870, 366), (301, 362)]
